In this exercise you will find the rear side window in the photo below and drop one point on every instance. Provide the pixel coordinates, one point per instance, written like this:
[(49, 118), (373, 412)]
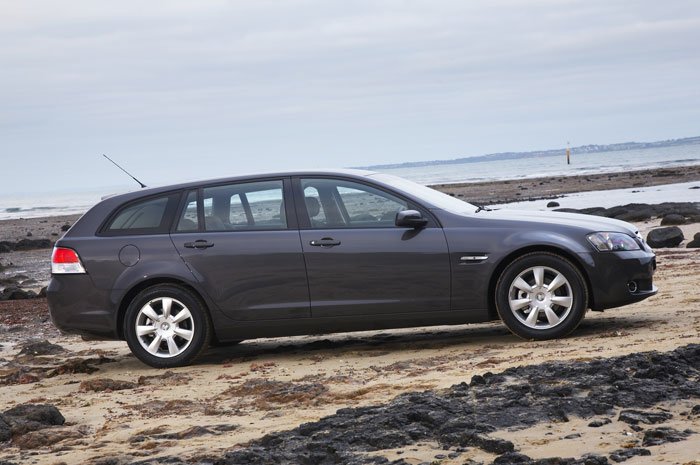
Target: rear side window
[(250, 205), (151, 216)]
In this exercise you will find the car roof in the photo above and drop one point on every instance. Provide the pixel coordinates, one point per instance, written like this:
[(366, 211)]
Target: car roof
[(126, 196)]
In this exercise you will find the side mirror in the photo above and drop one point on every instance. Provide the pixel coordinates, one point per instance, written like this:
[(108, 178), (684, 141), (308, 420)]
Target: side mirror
[(410, 219)]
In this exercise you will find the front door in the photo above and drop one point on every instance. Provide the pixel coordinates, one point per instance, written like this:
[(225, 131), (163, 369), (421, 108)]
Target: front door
[(244, 250), (358, 262)]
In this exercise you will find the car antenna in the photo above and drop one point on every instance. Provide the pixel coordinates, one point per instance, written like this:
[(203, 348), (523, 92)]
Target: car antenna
[(130, 175)]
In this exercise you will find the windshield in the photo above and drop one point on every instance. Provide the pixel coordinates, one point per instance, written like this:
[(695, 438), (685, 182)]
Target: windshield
[(432, 196)]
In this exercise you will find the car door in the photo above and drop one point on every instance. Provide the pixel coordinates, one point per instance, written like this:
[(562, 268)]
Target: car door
[(241, 242), (358, 262)]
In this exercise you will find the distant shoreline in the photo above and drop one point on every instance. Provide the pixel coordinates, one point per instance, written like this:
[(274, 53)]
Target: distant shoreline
[(581, 149), (480, 193)]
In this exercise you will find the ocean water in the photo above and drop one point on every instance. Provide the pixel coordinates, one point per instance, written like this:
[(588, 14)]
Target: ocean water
[(587, 163), (67, 203)]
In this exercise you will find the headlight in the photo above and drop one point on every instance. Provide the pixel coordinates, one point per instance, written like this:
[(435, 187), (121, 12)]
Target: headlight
[(612, 241)]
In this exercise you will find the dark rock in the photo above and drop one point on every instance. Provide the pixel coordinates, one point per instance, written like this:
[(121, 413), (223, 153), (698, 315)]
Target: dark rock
[(5, 429), (599, 423), (665, 237), (662, 435), (42, 347), (695, 411), (45, 438), (615, 212), (15, 293), (483, 442), (42, 292), (32, 417), (25, 244), (621, 455), (567, 210), (672, 219), (695, 243), (634, 417), (511, 457), (65, 227), (552, 204), (105, 384), (29, 234), (694, 187), (594, 460), (635, 215), (598, 211)]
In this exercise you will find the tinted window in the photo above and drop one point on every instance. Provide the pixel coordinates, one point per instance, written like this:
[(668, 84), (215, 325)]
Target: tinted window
[(252, 205), (338, 203), (189, 218), (144, 217)]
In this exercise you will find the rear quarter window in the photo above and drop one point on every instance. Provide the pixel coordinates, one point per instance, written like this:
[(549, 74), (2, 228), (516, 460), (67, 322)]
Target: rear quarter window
[(149, 216)]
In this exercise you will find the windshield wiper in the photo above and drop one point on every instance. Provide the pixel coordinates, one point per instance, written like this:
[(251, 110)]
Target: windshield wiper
[(482, 208)]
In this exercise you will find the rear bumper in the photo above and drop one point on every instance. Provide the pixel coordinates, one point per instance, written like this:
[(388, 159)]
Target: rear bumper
[(77, 307), (621, 278)]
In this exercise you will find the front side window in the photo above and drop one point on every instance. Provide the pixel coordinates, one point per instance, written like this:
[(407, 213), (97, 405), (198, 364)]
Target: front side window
[(144, 217), (251, 205), (335, 203)]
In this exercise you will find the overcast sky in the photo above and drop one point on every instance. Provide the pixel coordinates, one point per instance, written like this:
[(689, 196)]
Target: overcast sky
[(178, 90)]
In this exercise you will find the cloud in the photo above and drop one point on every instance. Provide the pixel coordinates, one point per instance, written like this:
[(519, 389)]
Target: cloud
[(280, 83)]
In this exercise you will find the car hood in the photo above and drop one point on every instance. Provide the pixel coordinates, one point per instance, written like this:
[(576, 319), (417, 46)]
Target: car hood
[(589, 222)]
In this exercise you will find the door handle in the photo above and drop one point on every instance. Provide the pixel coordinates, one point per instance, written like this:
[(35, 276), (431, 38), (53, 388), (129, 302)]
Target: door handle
[(199, 244), (325, 242)]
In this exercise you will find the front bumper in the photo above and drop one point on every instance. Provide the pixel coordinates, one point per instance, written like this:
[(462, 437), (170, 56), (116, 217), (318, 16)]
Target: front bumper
[(620, 278)]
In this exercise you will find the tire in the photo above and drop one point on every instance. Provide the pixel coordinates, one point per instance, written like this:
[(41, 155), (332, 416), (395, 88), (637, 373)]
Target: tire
[(524, 286), (174, 315)]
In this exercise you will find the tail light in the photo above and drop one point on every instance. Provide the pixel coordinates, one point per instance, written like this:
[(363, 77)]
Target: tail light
[(66, 261)]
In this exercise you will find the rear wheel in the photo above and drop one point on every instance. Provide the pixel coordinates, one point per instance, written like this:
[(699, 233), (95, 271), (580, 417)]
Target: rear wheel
[(541, 295), (167, 326)]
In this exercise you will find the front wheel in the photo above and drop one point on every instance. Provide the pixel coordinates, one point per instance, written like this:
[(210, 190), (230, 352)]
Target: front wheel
[(541, 296), (167, 326)]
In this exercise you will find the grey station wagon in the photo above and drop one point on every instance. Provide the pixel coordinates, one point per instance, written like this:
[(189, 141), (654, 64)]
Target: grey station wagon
[(174, 269)]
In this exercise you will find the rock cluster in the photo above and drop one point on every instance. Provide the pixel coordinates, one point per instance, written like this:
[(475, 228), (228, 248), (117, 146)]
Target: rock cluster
[(470, 415), (25, 244), (17, 293), (26, 418), (671, 212)]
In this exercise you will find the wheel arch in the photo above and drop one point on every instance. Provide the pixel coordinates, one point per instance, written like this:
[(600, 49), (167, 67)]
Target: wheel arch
[(136, 289), (508, 259)]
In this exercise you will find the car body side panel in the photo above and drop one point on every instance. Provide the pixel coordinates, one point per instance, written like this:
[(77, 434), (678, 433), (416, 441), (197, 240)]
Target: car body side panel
[(478, 246), (232, 331), (250, 275), (376, 271), (99, 293)]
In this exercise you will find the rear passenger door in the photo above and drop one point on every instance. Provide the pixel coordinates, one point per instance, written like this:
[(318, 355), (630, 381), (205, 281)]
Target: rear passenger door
[(241, 242)]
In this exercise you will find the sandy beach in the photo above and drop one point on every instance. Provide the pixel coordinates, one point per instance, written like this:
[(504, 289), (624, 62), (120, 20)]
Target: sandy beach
[(119, 411)]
